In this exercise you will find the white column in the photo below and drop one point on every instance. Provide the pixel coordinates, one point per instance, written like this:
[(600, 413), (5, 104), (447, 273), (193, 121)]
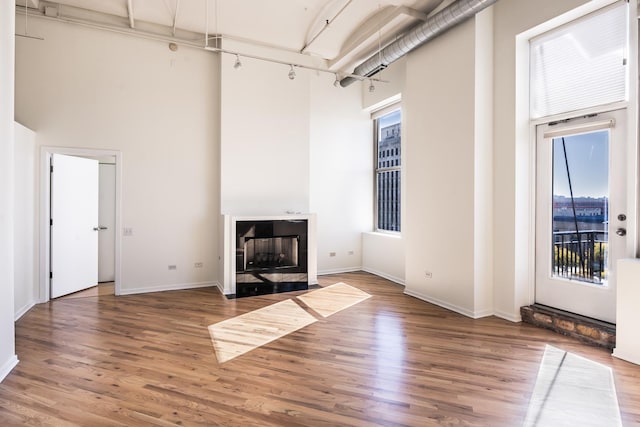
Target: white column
[(8, 358), (627, 314)]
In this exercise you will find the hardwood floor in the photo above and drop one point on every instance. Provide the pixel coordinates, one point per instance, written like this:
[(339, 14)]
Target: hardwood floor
[(100, 290), (390, 360)]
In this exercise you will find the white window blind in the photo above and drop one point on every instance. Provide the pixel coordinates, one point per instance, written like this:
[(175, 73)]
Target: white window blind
[(581, 64)]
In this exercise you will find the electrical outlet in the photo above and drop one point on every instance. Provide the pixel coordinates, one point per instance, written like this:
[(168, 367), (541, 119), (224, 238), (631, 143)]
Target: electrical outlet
[(198, 265), (351, 252), (428, 274), (173, 267), (127, 231), (332, 254)]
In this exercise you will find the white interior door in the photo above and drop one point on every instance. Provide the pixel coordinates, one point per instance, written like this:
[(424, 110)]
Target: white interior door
[(581, 213), (107, 221), (74, 226)]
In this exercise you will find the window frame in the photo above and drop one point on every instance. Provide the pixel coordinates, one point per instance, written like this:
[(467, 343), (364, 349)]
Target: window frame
[(375, 116)]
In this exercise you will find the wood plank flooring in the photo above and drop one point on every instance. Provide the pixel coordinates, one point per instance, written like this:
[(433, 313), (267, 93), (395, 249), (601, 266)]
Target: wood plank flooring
[(390, 360), (239, 335), (333, 298), (101, 289)]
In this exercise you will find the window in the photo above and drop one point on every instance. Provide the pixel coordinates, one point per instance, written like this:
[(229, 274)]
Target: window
[(388, 168), (581, 64)]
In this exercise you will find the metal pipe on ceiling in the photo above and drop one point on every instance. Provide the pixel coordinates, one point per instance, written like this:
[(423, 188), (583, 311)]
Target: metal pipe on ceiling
[(447, 18)]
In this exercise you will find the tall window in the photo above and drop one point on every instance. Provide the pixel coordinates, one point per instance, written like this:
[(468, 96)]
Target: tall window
[(388, 170)]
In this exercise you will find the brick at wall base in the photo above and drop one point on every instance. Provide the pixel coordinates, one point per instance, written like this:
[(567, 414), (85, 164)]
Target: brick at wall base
[(587, 330)]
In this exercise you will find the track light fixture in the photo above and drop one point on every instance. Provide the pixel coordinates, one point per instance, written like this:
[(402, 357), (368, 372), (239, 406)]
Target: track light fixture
[(339, 77)]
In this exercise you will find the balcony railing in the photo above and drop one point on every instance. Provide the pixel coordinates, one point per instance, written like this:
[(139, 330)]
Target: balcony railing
[(580, 256)]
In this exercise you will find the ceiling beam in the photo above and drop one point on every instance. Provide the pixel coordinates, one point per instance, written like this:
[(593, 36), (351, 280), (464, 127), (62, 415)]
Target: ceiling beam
[(327, 23), (34, 4), (132, 22), (414, 13)]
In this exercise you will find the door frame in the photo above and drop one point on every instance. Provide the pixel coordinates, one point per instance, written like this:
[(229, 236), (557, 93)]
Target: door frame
[(517, 287), (615, 123), (44, 215), (633, 200)]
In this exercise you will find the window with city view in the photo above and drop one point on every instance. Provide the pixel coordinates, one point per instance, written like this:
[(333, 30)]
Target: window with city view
[(388, 170), (581, 206)]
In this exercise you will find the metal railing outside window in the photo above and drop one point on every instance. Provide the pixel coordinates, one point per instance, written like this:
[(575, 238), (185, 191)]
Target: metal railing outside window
[(580, 256)]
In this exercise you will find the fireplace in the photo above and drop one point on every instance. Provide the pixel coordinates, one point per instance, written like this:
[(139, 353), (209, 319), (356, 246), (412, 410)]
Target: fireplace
[(271, 253), (271, 256)]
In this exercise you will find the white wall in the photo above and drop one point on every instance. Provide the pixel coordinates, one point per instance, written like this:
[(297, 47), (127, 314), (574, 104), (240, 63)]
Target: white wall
[(512, 207), (8, 357), (26, 286), (394, 80), (384, 253), (158, 108), (264, 138), (439, 151), (298, 145), (341, 167)]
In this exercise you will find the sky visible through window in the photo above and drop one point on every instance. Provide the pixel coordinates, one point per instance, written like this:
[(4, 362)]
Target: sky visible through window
[(390, 119), (588, 158)]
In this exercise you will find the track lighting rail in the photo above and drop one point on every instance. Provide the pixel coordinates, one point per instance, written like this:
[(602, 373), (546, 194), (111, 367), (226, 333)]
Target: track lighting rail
[(292, 65)]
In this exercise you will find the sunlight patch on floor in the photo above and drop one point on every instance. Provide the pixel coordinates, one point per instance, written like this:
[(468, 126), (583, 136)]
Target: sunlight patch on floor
[(572, 391), (334, 298), (239, 335)]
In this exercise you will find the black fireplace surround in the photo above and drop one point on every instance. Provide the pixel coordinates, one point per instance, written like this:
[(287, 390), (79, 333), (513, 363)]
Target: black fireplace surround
[(271, 257)]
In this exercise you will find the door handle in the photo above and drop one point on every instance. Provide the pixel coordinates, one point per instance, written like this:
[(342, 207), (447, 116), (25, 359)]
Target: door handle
[(621, 232), (100, 227)]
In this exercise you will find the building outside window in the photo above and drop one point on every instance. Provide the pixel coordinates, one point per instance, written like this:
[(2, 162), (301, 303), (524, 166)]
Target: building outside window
[(388, 169)]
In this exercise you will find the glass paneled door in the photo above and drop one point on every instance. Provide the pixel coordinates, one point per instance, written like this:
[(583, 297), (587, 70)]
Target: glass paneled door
[(580, 213)]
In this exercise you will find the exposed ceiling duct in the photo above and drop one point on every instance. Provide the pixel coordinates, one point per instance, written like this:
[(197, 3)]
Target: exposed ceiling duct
[(447, 18)]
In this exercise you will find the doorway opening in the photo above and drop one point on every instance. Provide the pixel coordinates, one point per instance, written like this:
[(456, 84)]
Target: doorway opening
[(111, 160), (581, 213)]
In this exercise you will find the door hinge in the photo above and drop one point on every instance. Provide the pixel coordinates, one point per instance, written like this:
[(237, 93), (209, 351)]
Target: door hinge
[(51, 168), (50, 275), (51, 221)]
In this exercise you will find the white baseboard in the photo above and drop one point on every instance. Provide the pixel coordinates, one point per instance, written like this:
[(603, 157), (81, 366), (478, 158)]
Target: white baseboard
[(220, 287), (21, 312), (339, 270), (448, 306), (8, 366), (394, 279), (169, 287), (516, 318), (632, 358)]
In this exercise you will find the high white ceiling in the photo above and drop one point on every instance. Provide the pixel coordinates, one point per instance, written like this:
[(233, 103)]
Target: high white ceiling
[(340, 32)]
